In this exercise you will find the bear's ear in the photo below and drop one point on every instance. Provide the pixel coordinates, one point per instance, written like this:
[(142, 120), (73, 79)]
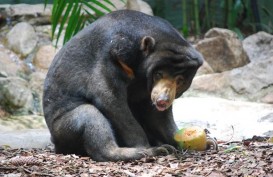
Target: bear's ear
[(147, 45)]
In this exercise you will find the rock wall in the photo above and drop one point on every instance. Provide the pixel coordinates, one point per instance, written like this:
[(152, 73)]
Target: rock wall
[(249, 76), (26, 52), (222, 50), (234, 69)]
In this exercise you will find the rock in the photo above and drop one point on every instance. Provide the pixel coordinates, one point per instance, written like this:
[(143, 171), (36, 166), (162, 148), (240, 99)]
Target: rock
[(222, 116), (15, 96), (34, 10), (216, 84), (44, 57), (139, 5), (204, 69), (7, 66), (251, 82), (3, 113), (36, 84), (22, 39), (11, 65), (24, 132), (268, 118), (44, 34), (32, 138), (268, 98), (222, 50), (24, 122), (259, 46), (34, 14), (220, 32), (118, 5), (253, 77)]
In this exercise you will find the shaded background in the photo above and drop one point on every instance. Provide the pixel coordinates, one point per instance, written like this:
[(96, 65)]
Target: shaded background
[(195, 17)]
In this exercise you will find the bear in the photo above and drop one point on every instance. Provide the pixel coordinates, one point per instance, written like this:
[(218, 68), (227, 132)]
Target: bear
[(109, 91)]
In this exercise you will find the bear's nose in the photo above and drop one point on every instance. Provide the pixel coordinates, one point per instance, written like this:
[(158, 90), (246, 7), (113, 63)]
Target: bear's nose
[(163, 100), (161, 103)]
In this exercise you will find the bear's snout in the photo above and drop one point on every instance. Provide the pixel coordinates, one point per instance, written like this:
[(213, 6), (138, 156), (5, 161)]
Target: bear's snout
[(163, 102)]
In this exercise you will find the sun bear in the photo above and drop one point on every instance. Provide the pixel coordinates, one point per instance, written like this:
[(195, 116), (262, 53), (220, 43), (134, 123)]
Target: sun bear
[(109, 91)]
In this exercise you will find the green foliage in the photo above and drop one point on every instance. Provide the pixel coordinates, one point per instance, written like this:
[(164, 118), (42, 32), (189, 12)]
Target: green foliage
[(72, 15), (185, 29), (195, 17), (241, 16), (232, 148)]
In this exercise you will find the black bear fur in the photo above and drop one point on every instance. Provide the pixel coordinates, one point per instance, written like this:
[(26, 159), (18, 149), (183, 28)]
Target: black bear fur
[(97, 93)]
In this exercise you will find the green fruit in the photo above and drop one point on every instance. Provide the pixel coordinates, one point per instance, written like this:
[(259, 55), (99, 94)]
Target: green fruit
[(192, 138)]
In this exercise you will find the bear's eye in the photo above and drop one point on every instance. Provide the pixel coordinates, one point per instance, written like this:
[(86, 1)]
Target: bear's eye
[(158, 75), (180, 80)]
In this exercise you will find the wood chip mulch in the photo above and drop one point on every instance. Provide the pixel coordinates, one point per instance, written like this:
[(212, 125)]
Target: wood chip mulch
[(246, 159)]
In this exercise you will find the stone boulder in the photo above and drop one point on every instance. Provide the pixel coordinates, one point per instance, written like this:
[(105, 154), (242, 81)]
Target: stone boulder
[(32, 138), (139, 5), (259, 46), (11, 65), (222, 50), (22, 39), (7, 66), (252, 78), (36, 84), (22, 122), (253, 82), (204, 69), (268, 98), (32, 13), (44, 57), (15, 96)]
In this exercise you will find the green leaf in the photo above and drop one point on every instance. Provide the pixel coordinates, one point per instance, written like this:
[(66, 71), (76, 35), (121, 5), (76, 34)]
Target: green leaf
[(110, 3), (71, 23), (238, 6), (196, 17), (185, 29), (92, 17), (98, 12), (62, 24), (101, 5), (70, 12), (45, 3), (79, 25), (238, 32), (232, 148), (267, 12), (57, 11)]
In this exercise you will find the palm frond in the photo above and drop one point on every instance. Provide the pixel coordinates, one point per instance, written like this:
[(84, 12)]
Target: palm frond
[(70, 16)]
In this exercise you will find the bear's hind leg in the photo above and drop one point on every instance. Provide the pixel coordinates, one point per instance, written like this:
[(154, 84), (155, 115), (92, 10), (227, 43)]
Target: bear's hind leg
[(100, 142), (86, 131)]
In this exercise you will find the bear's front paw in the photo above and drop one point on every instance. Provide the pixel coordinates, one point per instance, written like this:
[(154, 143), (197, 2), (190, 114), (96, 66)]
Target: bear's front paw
[(164, 150)]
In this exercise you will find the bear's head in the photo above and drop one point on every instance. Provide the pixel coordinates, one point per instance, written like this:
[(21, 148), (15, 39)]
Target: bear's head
[(170, 68)]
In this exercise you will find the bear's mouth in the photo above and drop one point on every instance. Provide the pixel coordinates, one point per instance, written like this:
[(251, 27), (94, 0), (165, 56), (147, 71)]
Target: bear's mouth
[(161, 105)]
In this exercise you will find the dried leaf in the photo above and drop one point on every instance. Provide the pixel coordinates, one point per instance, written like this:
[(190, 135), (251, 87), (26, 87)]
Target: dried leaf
[(253, 160)]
